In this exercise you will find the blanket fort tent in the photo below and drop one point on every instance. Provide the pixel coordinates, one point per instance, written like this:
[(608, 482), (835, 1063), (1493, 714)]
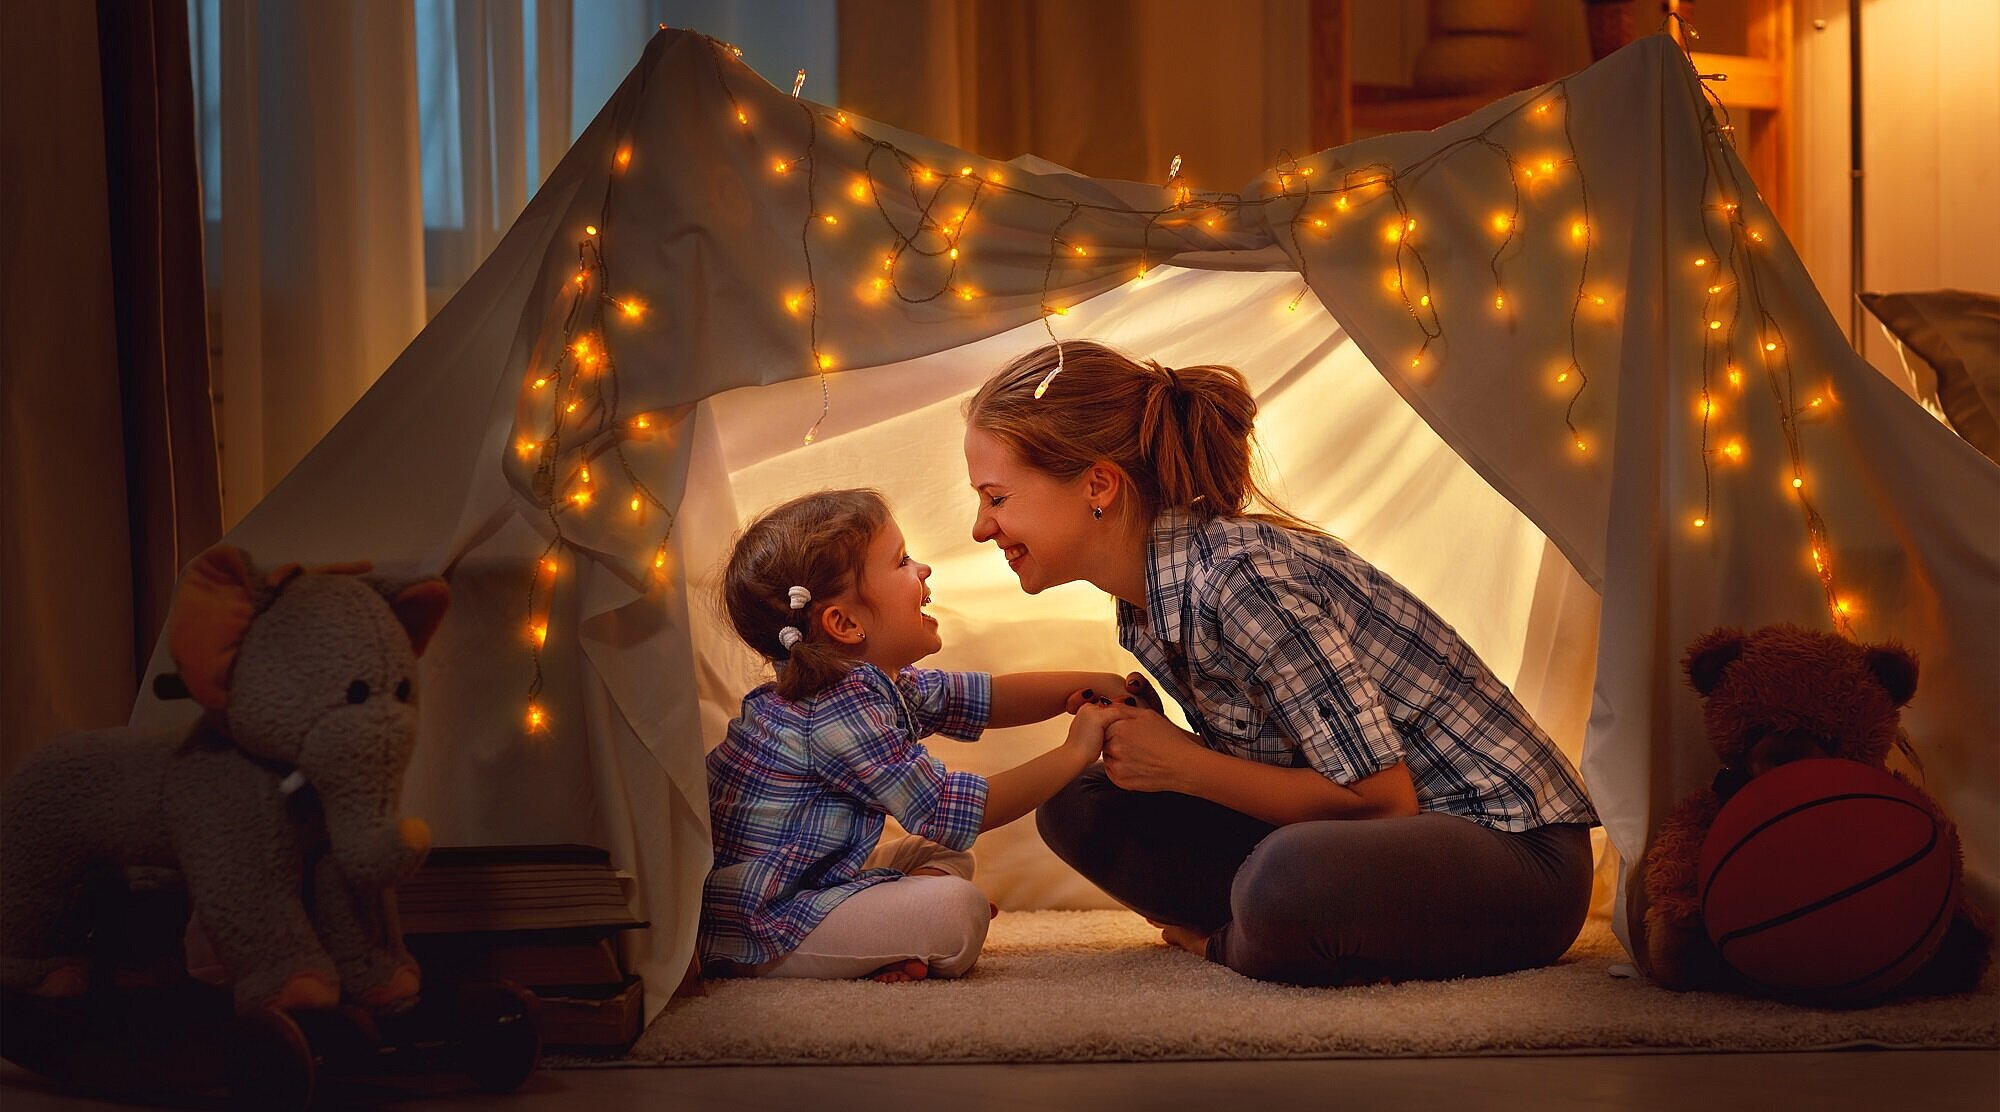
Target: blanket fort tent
[(1553, 365)]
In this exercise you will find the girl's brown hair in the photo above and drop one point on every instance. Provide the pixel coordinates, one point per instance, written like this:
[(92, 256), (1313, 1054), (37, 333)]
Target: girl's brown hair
[(1182, 435), (817, 541)]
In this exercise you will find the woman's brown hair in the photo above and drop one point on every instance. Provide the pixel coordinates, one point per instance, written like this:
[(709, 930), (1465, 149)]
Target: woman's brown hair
[(1182, 435), (817, 541)]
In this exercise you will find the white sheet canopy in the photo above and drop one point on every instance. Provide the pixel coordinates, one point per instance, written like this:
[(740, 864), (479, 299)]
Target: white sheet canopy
[(1597, 211)]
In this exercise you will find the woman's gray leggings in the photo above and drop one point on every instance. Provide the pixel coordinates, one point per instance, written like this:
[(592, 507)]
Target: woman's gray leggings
[(1332, 902)]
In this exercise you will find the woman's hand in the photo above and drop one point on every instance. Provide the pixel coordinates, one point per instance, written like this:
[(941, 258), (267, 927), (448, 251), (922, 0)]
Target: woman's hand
[(1109, 687), (1086, 731), (1145, 752)]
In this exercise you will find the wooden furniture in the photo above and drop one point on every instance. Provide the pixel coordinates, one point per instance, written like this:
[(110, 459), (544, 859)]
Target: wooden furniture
[(1754, 40)]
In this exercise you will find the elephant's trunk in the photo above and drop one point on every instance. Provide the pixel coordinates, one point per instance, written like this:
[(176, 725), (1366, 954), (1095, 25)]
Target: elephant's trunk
[(355, 762)]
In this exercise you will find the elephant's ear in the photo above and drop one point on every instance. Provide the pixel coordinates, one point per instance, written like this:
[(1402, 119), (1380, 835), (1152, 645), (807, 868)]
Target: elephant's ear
[(212, 610), (1896, 668), (420, 607)]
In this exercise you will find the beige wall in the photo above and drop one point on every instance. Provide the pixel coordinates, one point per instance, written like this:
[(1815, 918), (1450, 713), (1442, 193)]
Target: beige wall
[(1931, 146)]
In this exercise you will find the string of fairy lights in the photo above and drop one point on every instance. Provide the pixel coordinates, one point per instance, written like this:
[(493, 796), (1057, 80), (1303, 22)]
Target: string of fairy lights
[(933, 213)]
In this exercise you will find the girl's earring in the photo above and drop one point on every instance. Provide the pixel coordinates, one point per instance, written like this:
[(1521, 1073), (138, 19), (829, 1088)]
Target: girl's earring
[(1097, 512)]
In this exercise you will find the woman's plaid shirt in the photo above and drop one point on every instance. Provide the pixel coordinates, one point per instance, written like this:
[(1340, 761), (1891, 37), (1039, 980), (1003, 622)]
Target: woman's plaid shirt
[(1285, 647), (797, 791)]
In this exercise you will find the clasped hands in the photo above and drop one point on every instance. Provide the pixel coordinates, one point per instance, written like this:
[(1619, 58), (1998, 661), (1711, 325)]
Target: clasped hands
[(1142, 749)]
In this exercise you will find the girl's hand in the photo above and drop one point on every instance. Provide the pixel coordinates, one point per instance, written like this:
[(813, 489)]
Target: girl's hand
[(1144, 752), (1086, 730)]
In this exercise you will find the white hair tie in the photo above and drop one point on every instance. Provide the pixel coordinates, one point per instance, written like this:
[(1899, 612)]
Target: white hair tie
[(790, 636), (799, 596)]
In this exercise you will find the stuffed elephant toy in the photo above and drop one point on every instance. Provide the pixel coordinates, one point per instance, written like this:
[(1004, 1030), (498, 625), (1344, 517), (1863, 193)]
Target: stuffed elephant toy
[(279, 807)]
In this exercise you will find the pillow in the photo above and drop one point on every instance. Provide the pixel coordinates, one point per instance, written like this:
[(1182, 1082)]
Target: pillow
[(1957, 333)]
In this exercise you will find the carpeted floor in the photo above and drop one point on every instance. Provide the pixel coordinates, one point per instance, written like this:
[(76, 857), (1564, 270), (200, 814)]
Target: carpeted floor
[(1063, 986)]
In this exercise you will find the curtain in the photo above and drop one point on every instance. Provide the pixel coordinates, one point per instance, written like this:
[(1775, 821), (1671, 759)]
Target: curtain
[(1115, 88), (107, 444)]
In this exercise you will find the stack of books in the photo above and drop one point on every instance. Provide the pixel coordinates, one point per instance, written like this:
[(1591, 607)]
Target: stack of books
[(545, 917)]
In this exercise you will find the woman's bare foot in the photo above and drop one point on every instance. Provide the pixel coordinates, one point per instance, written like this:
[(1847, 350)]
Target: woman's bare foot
[(899, 972), (1187, 938)]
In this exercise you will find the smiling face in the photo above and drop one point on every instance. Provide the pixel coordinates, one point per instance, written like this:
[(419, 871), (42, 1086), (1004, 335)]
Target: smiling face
[(1042, 525), (892, 593)]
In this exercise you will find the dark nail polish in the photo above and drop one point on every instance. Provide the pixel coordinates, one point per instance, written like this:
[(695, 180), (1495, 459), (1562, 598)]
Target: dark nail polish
[(1089, 694), (1130, 702)]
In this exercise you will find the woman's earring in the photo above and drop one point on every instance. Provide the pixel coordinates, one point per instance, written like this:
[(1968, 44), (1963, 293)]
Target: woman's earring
[(1097, 512)]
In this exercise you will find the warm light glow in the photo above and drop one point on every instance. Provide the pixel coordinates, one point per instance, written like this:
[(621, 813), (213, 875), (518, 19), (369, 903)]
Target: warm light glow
[(624, 157), (635, 505), (1770, 345), (794, 300), (1499, 301), (1706, 407), (782, 166), (1701, 262), (1578, 230), (1735, 375), (1425, 300), (953, 252), (535, 719), (965, 171), (1816, 403), (1318, 223), (584, 473), (1502, 222), (1844, 607), (1393, 232), (1714, 324), (1081, 251), (1548, 166), (541, 382), (570, 408), (1562, 377), (1734, 450), (1797, 482), (1581, 446), (549, 565), (582, 277), (524, 448), (1715, 289), (830, 218), (633, 307), (590, 229), (581, 498), (858, 191), (642, 423), (826, 362), (741, 118), (1700, 522), (540, 633), (966, 295), (1340, 202)]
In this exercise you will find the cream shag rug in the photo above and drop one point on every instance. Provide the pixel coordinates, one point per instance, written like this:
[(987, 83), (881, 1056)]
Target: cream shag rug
[(1078, 986)]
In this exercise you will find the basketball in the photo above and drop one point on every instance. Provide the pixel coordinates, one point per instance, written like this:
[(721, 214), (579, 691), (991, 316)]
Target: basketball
[(1827, 880)]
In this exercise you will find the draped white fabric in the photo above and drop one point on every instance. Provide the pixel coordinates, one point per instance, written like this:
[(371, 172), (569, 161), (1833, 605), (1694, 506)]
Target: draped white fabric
[(428, 470)]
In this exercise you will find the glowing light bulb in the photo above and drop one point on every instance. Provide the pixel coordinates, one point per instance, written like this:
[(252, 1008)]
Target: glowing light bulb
[(826, 362), (1318, 223), (1770, 345), (782, 166), (1701, 261), (1735, 375), (1548, 166), (1734, 450), (1700, 522), (585, 473), (660, 558), (524, 448), (570, 408), (1595, 300), (536, 720), (635, 505), (830, 218), (1715, 289), (741, 118), (1843, 607), (1816, 403), (624, 157), (1499, 301), (581, 498), (642, 423), (1562, 377), (541, 382), (1425, 300), (965, 171), (1581, 446), (1579, 230), (966, 295), (953, 252), (1393, 233), (549, 565), (590, 229), (1081, 251), (1797, 482), (1714, 324), (793, 301), (1340, 202), (1502, 222), (858, 191), (633, 308)]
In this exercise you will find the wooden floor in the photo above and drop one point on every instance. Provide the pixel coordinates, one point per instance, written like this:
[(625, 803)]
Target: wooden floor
[(1935, 1081)]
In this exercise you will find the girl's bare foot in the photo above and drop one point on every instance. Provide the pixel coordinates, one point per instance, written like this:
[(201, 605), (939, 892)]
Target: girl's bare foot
[(899, 972), (1187, 938)]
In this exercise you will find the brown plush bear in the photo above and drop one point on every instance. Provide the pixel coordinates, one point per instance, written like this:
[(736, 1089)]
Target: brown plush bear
[(1772, 696), (279, 809)]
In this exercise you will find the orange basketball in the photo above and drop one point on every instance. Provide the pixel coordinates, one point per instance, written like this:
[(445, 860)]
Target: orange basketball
[(1827, 879)]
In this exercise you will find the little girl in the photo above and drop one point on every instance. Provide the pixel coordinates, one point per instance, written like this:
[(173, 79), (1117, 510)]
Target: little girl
[(804, 885)]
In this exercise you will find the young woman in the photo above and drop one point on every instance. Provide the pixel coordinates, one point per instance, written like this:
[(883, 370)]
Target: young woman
[(1361, 799)]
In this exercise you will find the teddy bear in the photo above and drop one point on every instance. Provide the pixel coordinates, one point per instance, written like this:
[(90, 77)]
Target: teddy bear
[(1771, 696), (278, 808)]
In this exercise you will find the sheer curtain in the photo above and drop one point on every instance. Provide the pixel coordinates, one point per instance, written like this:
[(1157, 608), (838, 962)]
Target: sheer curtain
[(360, 158)]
